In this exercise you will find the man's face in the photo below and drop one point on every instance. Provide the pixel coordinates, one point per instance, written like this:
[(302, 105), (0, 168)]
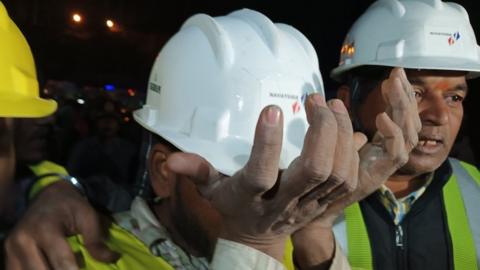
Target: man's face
[(7, 155), (189, 213), (197, 220), (439, 95), (31, 140)]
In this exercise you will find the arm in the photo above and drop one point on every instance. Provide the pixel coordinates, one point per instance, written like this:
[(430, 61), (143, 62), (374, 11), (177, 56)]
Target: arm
[(57, 212)]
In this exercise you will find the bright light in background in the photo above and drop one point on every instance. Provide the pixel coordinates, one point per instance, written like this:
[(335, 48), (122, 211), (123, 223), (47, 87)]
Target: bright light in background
[(109, 87), (77, 18), (80, 101), (109, 23), (131, 92)]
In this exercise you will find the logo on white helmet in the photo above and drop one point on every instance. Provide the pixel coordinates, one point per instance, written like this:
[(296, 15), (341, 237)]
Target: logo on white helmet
[(453, 38)]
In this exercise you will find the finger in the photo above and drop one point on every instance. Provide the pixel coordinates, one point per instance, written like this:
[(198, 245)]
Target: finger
[(197, 169), (402, 112), (417, 123), (22, 253), (261, 171), (60, 255), (393, 142), (94, 231), (400, 74), (345, 148), (12, 263), (359, 140), (316, 160)]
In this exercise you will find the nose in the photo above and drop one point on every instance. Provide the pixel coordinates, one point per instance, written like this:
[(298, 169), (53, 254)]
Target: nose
[(433, 110)]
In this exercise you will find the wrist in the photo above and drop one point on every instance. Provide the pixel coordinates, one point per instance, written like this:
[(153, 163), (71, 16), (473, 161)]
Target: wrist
[(314, 247)]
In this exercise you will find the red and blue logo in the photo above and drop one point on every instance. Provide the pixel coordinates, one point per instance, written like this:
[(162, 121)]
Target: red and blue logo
[(453, 38), (296, 106)]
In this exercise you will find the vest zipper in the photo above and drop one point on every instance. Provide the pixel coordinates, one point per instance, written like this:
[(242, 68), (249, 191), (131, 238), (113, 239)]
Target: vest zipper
[(400, 245)]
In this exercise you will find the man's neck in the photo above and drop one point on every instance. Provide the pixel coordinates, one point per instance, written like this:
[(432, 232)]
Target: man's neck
[(402, 185), (165, 218)]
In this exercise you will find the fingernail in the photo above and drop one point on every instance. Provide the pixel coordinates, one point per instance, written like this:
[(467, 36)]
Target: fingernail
[(273, 115), (337, 106), (317, 99)]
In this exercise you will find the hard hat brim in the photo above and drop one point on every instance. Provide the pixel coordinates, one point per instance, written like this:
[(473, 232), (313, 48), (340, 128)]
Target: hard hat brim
[(426, 63), (26, 107)]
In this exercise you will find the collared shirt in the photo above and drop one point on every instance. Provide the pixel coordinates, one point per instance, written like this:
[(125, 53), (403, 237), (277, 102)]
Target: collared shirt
[(398, 208), (144, 225)]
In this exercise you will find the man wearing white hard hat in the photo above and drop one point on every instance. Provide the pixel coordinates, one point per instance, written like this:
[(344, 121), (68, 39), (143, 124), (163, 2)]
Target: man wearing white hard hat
[(426, 215), (251, 181)]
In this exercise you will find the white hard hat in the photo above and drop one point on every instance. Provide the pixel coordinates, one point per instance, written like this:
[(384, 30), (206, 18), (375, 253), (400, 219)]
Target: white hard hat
[(212, 79), (417, 34)]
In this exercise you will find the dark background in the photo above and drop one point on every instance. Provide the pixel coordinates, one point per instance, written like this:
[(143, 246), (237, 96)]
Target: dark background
[(90, 53)]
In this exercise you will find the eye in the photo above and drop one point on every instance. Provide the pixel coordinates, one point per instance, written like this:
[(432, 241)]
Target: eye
[(418, 93), (455, 99)]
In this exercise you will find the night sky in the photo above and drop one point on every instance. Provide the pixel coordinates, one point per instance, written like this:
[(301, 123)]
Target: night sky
[(90, 53)]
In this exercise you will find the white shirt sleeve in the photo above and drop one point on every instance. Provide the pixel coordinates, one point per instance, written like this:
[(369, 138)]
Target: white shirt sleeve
[(235, 256)]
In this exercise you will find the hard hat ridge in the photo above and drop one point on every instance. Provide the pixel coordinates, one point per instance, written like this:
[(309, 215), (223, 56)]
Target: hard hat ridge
[(265, 28), (218, 39)]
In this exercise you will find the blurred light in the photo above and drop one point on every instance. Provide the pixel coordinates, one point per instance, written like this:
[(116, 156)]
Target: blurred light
[(80, 101), (123, 110), (126, 119), (109, 23), (45, 91), (131, 92), (109, 87), (77, 18)]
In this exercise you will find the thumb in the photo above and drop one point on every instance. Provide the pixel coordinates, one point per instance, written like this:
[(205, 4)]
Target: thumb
[(197, 169), (95, 231)]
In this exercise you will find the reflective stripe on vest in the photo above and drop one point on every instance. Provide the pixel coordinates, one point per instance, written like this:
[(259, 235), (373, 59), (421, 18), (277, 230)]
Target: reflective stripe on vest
[(134, 253), (45, 168), (462, 191)]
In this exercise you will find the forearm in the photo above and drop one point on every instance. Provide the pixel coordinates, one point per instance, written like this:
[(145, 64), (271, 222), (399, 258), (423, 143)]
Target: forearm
[(314, 249)]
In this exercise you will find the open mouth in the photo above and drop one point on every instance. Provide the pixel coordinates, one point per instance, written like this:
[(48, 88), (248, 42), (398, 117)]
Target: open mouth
[(429, 144)]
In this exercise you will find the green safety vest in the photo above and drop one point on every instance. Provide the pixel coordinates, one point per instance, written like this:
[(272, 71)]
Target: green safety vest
[(134, 253), (462, 192)]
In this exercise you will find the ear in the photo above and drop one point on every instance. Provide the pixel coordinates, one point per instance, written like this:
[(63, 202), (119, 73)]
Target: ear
[(343, 93), (161, 178)]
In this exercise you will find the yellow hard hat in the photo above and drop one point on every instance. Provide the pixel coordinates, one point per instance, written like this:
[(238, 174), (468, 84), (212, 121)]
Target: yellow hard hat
[(19, 95)]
